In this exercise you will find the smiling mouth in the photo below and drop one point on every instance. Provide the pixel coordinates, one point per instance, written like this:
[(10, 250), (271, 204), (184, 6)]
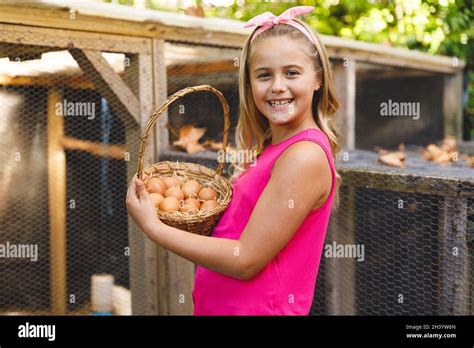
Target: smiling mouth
[(280, 103)]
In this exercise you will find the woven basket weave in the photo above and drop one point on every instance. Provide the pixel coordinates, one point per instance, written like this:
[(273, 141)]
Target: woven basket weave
[(203, 222)]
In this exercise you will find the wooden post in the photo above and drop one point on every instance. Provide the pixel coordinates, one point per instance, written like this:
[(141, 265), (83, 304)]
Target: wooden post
[(344, 72), (452, 105), (160, 94), (175, 274), (143, 263), (341, 272), (455, 266), (57, 206)]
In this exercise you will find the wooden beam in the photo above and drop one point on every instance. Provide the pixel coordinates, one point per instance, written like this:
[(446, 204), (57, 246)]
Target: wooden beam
[(57, 205), (122, 101), (175, 274), (344, 75), (76, 82), (396, 57), (452, 105), (126, 21), (379, 72), (167, 26), (454, 260), (144, 71), (160, 95), (64, 39), (116, 152), (143, 264), (26, 52), (202, 68), (341, 278)]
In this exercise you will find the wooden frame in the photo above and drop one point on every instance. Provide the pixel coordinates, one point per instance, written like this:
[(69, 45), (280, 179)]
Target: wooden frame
[(124, 96), (344, 75), (108, 83), (57, 207), (87, 29), (452, 105), (52, 39), (341, 273), (455, 253), (130, 22)]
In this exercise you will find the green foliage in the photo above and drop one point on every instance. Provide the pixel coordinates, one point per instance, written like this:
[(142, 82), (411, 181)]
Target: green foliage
[(434, 26)]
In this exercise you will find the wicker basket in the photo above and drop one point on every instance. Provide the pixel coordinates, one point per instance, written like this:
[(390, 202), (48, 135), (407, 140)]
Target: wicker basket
[(203, 222)]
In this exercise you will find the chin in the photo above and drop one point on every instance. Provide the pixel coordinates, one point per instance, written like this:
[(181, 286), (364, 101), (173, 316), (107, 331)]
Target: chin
[(281, 119)]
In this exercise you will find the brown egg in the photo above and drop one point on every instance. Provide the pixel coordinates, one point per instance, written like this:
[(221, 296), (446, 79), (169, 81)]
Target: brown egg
[(156, 198), (156, 185), (207, 194), (174, 192), (209, 205), (169, 204), (189, 208), (171, 181), (191, 188), (193, 201)]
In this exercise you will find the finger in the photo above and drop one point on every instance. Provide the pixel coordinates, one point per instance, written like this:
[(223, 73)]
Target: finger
[(133, 190), (130, 186), (140, 187)]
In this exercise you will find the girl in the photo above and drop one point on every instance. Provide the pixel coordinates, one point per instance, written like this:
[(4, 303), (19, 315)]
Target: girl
[(263, 256)]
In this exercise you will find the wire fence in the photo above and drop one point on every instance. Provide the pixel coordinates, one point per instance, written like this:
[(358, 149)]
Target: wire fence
[(401, 241)]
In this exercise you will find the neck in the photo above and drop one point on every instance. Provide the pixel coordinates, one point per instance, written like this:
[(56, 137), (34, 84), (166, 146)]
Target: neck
[(284, 131)]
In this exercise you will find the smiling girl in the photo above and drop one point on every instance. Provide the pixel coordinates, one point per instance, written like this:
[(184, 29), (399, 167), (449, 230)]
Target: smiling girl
[(263, 256)]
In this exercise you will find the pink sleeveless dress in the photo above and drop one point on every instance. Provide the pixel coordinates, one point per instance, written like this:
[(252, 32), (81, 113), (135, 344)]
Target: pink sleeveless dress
[(286, 285)]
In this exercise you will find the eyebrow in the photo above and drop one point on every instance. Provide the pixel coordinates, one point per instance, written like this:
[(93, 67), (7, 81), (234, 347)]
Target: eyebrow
[(286, 66)]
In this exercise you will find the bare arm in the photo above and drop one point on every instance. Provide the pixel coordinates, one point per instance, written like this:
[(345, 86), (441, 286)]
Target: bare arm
[(301, 174), (217, 254), (301, 177)]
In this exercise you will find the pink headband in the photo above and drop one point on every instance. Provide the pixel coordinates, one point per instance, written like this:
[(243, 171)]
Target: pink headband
[(267, 20)]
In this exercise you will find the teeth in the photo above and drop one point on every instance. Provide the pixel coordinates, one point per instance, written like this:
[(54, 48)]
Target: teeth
[(281, 102)]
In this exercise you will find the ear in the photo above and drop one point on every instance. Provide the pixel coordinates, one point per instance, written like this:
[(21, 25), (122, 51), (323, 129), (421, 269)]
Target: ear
[(319, 80), (317, 85)]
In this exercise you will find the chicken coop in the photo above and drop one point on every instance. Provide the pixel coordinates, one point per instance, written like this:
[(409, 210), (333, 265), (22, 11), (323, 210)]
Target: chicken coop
[(77, 85)]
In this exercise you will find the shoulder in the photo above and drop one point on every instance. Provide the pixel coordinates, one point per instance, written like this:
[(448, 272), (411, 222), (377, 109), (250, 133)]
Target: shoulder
[(304, 166), (302, 155)]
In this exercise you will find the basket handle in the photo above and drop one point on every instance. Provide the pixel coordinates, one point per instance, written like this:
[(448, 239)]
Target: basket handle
[(170, 100)]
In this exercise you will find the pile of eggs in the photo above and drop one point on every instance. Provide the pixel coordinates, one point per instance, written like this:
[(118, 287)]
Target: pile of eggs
[(169, 194)]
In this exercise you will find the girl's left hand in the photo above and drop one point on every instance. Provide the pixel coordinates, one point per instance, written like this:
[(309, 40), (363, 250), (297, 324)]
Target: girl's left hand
[(140, 206)]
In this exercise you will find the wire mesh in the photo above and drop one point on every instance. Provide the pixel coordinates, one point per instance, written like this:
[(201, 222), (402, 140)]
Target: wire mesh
[(404, 238), (38, 86), (191, 65), (406, 235)]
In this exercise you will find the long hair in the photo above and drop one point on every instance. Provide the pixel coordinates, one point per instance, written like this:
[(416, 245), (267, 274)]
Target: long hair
[(253, 130)]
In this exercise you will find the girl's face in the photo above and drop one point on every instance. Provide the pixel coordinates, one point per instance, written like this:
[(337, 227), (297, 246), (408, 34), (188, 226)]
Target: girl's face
[(283, 80)]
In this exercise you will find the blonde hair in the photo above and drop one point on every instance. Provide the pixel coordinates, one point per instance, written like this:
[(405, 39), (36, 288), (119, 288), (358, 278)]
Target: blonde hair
[(253, 130)]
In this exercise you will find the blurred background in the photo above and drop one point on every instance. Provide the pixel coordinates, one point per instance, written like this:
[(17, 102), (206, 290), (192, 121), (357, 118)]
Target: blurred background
[(443, 27)]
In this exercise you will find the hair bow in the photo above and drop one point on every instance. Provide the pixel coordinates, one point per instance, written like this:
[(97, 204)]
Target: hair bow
[(267, 20)]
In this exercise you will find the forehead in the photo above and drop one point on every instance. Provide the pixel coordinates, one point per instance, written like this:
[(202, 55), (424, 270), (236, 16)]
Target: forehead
[(279, 51)]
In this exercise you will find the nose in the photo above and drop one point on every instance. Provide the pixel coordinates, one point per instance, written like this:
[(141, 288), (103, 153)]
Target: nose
[(278, 85)]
